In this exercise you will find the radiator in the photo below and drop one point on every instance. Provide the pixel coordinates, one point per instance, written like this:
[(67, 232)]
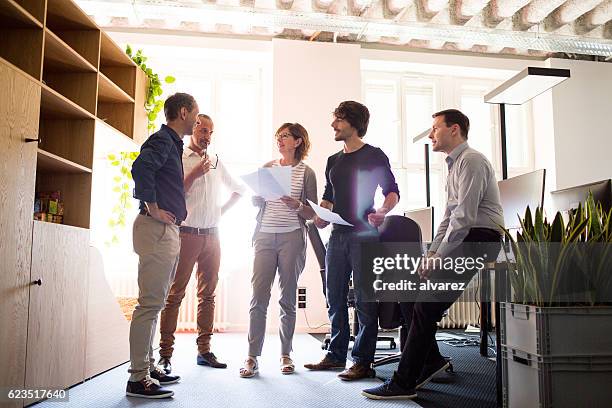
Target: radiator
[(465, 311), (188, 312), (461, 314)]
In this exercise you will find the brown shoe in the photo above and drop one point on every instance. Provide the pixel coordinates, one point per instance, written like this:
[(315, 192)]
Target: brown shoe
[(356, 372), (327, 364)]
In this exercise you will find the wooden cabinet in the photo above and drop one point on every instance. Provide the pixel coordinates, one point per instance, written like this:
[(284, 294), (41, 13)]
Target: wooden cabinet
[(58, 306), (60, 78), (19, 110)]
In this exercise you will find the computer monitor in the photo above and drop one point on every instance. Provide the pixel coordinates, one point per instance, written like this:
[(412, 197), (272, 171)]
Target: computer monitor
[(569, 198), (518, 192), (424, 217)]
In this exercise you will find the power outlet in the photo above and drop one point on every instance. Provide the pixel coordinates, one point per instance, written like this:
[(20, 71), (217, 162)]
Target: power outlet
[(301, 297)]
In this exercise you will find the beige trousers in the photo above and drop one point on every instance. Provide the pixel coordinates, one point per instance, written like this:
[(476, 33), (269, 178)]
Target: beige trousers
[(157, 246)]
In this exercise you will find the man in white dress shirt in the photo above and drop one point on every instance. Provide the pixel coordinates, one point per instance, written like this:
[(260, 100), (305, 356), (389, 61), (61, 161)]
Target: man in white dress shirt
[(204, 177)]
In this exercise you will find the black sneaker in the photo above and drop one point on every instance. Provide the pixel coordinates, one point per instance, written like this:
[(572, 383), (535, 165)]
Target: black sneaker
[(147, 388), (389, 390), (430, 371), (209, 359), (164, 364), (163, 378)]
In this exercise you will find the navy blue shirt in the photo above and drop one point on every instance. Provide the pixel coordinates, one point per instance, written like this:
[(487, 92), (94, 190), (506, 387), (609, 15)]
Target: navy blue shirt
[(352, 180), (158, 173)]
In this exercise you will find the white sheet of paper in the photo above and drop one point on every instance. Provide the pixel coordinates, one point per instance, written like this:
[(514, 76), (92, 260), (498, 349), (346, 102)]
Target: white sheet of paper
[(329, 216), (277, 178), (271, 183)]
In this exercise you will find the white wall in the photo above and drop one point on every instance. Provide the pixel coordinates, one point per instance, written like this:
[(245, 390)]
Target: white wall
[(582, 106), (309, 81)]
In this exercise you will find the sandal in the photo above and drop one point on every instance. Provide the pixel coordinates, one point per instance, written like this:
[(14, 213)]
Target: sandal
[(250, 368), (287, 366)]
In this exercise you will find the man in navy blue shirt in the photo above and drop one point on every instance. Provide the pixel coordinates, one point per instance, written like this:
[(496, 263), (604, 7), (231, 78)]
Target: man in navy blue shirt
[(158, 179), (352, 177)]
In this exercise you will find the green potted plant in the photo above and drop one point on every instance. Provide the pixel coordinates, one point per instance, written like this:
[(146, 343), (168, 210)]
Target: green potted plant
[(557, 327)]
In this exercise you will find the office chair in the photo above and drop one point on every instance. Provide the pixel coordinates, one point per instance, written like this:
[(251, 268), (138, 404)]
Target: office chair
[(390, 320), (393, 315), (396, 228)]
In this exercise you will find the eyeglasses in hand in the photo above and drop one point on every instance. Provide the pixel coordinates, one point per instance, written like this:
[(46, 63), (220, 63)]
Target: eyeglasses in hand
[(213, 163)]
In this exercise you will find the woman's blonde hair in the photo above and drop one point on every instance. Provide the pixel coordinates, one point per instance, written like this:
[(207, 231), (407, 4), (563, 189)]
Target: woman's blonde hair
[(298, 132)]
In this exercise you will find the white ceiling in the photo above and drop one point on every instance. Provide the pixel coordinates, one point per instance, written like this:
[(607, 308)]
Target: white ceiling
[(525, 27)]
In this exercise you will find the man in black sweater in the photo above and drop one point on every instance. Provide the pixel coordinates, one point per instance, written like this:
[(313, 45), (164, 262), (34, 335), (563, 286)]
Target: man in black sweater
[(352, 177)]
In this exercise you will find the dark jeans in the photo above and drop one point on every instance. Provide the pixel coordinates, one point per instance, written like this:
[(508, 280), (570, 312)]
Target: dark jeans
[(421, 341), (342, 258)]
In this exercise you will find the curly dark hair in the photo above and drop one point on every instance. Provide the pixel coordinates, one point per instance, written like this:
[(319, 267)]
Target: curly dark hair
[(356, 114)]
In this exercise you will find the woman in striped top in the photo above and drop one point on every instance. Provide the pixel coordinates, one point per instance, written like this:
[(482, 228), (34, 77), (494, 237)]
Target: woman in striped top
[(280, 245)]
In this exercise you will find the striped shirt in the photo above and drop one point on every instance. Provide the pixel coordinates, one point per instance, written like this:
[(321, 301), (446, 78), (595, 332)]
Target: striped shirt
[(279, 218)]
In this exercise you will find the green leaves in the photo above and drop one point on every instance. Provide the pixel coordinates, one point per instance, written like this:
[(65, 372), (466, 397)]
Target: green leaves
[(555, 262), (153, 103), (122, 162)]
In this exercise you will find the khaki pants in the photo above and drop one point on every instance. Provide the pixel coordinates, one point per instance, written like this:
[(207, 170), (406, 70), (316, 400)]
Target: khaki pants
[(157, 245), (285, 252), (206, 251)]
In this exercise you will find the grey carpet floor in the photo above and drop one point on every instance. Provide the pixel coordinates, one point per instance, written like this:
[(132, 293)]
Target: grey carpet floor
[(472, 385), (207, 387)]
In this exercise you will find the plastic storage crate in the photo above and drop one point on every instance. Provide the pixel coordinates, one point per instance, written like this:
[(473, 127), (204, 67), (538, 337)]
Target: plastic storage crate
[(557, 331), (556, 382)]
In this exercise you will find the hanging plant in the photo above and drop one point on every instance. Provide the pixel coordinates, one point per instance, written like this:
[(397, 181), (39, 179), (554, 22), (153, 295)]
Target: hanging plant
[(153, 103), (122, 185)]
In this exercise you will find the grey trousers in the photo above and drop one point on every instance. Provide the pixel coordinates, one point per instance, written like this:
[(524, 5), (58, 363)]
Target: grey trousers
[(285, 252), (157, 246)]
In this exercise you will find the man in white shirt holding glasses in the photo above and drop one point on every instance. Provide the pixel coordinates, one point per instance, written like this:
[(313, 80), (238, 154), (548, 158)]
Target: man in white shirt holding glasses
[(204, 177)]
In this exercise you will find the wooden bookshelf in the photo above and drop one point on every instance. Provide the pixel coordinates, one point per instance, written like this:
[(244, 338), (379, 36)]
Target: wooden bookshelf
[(52, 163), (68, 22), (60, 57), (112, 55), (68, 138), (67, 84), (108, 91), (14, 15), (118, 115), (21, 31), (36, 8), (79, 87), (67, 15), (55, 105)]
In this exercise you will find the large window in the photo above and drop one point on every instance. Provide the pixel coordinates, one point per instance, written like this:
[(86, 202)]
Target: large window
[(401, 105), (230, 87)]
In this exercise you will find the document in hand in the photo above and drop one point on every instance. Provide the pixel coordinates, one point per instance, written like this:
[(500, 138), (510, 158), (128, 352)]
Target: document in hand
[(329, 216), (271, 183)]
